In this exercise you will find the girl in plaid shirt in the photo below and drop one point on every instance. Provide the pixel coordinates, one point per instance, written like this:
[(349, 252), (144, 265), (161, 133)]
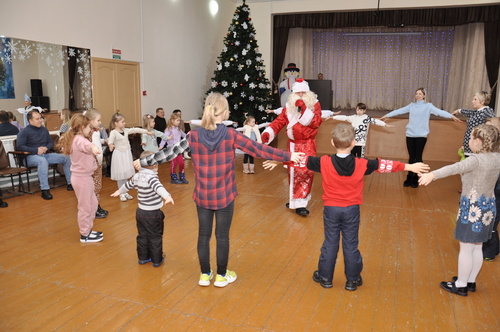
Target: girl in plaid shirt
[(213, 148)]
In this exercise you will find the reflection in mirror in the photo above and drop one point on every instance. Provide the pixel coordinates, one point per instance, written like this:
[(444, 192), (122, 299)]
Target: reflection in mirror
[(54, 76)]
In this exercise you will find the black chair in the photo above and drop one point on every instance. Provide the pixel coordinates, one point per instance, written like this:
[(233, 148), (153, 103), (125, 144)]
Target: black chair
[(7, 170), (21, 161)]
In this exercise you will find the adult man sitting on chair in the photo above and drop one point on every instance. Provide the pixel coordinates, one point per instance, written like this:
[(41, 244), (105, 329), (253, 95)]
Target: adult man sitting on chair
[(36, 140)]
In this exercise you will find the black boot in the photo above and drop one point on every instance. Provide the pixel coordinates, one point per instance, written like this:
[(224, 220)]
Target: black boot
[(101, 210)]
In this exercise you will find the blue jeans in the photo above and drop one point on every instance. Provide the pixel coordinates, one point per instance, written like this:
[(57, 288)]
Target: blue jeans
[(223, 221), (42, 163), (339, 220)]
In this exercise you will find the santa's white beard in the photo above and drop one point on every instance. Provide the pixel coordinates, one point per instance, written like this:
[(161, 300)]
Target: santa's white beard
[(309, 99)]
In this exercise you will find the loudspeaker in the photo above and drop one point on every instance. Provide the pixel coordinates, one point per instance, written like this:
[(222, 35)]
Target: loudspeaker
[(43, 102), (36, 88), (323, 88)]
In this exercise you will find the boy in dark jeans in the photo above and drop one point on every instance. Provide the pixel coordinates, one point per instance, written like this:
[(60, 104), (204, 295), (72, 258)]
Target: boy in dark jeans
[(152, 196), (343, 176)]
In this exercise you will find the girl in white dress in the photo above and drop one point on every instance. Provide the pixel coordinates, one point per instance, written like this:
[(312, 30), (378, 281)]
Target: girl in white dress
[(121, 162)]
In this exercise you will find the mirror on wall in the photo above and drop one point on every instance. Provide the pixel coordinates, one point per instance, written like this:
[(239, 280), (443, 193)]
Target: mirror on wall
[(53, 76)]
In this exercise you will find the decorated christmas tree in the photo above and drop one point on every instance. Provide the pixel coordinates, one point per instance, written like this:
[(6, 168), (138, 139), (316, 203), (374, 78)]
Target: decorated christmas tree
[(240, 75)]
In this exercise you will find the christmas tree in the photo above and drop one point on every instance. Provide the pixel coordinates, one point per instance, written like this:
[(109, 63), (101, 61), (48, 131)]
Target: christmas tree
[(240, 74)]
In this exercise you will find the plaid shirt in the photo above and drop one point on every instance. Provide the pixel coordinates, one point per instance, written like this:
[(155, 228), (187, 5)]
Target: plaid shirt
[(214, 170)]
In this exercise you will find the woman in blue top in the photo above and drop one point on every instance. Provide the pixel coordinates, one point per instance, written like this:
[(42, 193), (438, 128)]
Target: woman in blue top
[(418, 129)]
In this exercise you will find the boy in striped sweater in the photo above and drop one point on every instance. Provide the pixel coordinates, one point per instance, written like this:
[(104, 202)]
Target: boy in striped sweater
[(151, 195)]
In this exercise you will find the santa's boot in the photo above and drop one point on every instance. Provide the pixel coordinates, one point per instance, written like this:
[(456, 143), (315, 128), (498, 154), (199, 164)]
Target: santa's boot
[(246, 169), (182, 178), (174, 179), (251, 168)]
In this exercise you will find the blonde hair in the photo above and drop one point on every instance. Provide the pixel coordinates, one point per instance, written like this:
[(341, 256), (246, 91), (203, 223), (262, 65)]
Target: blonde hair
[(423, 91), (78, 122), (343, 135), (488, 135), (248, 118), (66, 114), (494, 122), (173, 117), (92, 114), (215, 105), (115, 118), (484, 97), (146, 121)]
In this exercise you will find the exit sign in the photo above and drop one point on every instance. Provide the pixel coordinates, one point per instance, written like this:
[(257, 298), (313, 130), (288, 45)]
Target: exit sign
[(117, 54)]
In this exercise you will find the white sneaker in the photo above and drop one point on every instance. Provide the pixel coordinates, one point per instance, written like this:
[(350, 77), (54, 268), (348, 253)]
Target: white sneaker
[(123, 198), (128, 196), (223, 281)]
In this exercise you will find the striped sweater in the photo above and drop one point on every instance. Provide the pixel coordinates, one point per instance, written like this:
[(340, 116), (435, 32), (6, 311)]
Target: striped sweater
[(150, 191)]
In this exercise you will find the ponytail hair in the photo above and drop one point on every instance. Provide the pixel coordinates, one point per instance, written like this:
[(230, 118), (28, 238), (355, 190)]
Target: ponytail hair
[(248, 119), (115, 118), (146, 120), (77, 123), (215, 105)]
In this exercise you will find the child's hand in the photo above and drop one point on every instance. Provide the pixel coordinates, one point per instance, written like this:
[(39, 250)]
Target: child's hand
[(169, 199), (456, 119), (171, 136), (389, 126), (143, 143), (425, 179), (116, 193), (270, 164), (111, 147), (297, 157), (95, 150), (419, 168), (137, 164), (337, 113)]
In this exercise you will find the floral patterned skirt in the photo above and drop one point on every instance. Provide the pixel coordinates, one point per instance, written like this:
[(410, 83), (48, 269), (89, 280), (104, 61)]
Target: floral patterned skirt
[(475, 219)]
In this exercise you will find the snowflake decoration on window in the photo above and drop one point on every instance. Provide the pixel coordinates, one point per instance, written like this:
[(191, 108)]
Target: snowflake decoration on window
[(71, 52)]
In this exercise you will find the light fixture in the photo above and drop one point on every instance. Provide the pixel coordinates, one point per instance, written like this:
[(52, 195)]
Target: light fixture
[(382, 34), (213, 6)]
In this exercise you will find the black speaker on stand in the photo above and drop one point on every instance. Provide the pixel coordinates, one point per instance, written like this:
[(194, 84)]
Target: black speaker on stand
[(43, 102), (36, 88)]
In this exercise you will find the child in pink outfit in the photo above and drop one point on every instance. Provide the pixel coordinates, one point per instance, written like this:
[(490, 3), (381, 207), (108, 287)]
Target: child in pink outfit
[(76, 142)]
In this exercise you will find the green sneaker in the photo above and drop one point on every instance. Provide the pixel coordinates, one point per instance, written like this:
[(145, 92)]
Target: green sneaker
[(205, 279), (222, 281)]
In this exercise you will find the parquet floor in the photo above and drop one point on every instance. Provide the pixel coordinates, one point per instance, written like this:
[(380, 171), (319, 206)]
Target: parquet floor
[(50, 281)]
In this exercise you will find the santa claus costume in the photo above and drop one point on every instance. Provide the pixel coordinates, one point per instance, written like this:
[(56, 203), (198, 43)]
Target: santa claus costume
[(301, 117)]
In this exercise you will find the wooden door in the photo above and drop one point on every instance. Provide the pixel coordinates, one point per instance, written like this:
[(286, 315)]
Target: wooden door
[(116, 87)]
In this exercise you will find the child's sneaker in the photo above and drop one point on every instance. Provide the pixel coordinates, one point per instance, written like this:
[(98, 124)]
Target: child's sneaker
[(123, 198), (91, 238), (205, 279), (142, 262), (223, 280), (128, 196), (97, 233)]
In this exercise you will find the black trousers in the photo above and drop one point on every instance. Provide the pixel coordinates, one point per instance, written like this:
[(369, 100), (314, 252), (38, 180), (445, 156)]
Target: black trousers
[(248, 159), (491, 248), (223, 219), (150, 239), (415, 146)]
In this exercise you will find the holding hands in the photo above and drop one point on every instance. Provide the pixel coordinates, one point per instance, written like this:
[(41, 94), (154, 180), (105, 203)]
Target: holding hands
[(417, 168), (425, 179)]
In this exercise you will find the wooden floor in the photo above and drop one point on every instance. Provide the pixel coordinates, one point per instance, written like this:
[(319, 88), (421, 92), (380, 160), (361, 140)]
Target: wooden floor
[(50, 281)]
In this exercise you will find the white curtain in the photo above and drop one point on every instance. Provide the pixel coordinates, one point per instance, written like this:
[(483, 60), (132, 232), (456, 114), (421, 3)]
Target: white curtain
[(384, 71), (468, 67)]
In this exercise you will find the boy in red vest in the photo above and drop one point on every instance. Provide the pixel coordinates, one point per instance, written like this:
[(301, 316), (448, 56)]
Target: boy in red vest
[(343, 176)]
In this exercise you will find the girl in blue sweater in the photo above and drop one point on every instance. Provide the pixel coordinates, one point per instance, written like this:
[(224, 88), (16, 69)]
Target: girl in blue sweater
[(417, 129)]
